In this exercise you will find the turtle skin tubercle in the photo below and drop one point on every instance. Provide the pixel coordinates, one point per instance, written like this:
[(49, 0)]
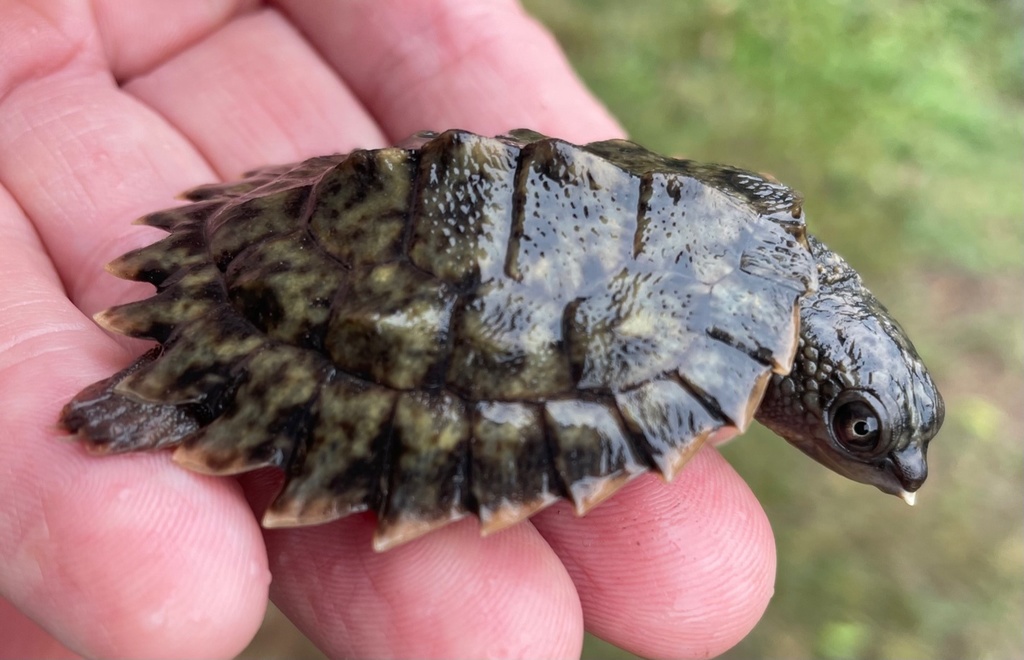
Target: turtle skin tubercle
[(458, 325)]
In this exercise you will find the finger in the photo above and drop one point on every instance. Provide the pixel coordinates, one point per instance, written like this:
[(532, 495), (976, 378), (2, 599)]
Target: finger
[(448, 594), (20, 637), (111, 557), (81, 158), (670, 570), (244, 104), (169, 27), (481, 66)]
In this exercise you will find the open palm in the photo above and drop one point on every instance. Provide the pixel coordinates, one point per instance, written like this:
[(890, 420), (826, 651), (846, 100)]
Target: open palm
[(107, 110)]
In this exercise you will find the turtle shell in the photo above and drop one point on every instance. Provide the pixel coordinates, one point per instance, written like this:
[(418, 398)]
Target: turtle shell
[(457, 325)]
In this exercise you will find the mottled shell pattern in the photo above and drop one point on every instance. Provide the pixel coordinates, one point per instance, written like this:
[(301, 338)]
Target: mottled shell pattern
[(457, 325)]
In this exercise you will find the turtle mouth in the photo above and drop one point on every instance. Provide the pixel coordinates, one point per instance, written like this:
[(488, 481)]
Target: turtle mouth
[(880, 475), (896, 473), (901, 473)]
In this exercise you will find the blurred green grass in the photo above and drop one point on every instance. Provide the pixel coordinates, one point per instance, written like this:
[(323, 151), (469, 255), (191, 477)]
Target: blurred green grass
[(901, 122)]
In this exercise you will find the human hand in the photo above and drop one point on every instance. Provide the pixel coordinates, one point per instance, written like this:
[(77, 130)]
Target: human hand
[(104, 116)]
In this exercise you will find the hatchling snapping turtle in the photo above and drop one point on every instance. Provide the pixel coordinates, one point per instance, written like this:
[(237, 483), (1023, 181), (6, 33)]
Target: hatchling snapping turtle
[(464, 324)]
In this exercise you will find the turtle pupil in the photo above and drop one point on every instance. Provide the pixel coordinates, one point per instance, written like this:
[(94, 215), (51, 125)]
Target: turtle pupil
[(856, 426)]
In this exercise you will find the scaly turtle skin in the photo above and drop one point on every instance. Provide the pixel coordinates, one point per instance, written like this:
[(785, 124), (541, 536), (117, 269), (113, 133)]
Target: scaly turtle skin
[(464, 324)]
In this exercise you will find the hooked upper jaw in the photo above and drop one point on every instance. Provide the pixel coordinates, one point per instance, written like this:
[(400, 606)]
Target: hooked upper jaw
[(909, 466), (903, 472)]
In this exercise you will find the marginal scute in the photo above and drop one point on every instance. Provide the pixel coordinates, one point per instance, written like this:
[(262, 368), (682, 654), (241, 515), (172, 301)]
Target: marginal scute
[(229, 189), (512, 472), (671, 423), (172, 219), (343, 469), (729, 382), (189, 294), (155, 262), (593, 453), (198, 364), (428, 483), (112, 423), (268, 417), (757, 316)]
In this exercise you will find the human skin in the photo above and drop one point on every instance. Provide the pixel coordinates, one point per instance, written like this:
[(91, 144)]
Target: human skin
[(108, 110)]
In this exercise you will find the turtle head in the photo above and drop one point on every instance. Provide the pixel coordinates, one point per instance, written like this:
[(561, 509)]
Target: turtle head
[(858, 399)]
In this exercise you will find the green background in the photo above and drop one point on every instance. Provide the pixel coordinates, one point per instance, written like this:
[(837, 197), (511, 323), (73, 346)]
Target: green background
[(901, 122)]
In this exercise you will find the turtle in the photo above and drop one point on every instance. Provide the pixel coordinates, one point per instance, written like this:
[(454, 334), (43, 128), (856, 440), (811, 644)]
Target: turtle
[(470, 325)]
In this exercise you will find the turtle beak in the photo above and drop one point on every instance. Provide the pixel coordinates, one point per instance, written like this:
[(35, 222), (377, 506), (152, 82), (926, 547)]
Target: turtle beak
[(910, 468)]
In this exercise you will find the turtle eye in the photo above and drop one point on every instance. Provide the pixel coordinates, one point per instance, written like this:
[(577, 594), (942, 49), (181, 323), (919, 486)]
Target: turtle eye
[(856, 424)]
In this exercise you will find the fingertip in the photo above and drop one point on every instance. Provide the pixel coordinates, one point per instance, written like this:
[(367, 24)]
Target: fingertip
[(448, 594), (671, 570), (196, 582), (136, 557)]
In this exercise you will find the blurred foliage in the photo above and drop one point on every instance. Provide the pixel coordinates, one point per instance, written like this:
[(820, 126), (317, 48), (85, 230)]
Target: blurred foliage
[(905, 115), (901, 123)]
